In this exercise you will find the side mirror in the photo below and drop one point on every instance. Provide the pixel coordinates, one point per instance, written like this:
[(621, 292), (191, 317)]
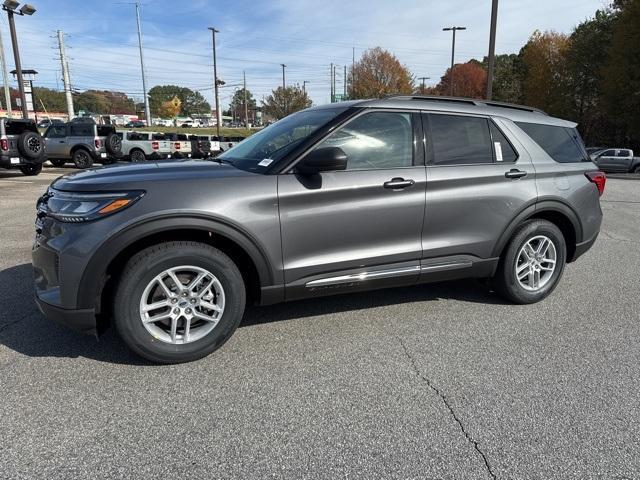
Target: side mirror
[(323, 160)]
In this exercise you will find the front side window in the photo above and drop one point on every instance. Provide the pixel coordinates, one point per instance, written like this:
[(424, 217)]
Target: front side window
[(460, 140), (56, 131), (561, 143), (273, 142), (375, 140)]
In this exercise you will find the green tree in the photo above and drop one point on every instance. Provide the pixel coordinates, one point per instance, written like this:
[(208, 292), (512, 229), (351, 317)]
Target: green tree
[(586, 59), (192, 102), (508, 76), (237, 104), (282, 102), (621, 86), (379, 73), (53, 100), (104, 101)]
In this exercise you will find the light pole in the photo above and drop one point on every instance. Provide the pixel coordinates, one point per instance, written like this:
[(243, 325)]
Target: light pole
[(216, 93), (453, 50), (10, 6), (492, 48), (284, 93), (147, 110)]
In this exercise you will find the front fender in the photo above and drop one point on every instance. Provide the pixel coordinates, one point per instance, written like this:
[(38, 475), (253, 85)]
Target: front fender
[(94, 276)]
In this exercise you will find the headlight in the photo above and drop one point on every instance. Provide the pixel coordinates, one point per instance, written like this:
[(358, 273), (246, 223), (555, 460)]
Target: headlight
[(83, 207)]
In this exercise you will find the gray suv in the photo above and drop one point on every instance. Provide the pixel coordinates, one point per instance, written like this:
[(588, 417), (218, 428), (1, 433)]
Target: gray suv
[(83, 142), (341, 198)]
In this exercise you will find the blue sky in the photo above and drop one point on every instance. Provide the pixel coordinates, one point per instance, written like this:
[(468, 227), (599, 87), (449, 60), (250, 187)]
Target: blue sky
[(257, 36)]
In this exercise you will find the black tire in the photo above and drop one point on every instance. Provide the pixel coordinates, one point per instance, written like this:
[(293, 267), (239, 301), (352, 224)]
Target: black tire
[(177, 155), (57, 162), (505, 282), (31, 169), (141, 270), (637, 169), (82, 158), (113, 144), (137, 155), (31, 145)]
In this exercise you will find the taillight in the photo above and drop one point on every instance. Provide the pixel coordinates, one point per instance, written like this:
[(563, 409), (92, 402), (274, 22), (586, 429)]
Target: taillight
[(154, 145), (98, 142), (177, 145), (599, 178), (4, 144)]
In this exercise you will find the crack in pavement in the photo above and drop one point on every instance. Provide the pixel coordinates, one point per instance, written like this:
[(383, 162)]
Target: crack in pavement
[(610, 236), (449, 407)]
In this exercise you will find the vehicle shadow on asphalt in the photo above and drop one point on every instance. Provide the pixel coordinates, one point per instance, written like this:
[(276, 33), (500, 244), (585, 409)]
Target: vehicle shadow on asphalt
[(25, 330)]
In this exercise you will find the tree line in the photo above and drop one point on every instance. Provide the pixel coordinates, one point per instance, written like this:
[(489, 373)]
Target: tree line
[(590, 76)]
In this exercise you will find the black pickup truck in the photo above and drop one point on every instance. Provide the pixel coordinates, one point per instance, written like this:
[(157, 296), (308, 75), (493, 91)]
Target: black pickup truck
[(21, 146)]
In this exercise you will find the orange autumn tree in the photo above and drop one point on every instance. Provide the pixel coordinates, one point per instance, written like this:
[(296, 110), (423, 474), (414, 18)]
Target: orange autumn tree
[(469, 80), (379, 73)]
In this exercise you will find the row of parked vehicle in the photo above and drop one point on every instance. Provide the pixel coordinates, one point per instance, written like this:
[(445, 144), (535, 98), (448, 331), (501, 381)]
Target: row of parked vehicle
[(85, 143)]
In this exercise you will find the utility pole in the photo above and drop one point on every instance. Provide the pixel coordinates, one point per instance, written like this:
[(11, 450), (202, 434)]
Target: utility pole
[(492, 48), (216, 92), (453, 50), (331, 82), (5, 77), (344, 97), (147, 111), (65, 75), (246, 109), (284, 92), (423, 82)]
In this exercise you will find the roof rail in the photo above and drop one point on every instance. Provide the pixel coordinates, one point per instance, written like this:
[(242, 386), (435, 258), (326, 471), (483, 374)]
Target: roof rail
[(468, 101)]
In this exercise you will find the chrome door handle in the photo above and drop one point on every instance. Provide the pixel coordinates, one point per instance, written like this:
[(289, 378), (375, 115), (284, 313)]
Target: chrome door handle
[(398, 183), (515, 173)]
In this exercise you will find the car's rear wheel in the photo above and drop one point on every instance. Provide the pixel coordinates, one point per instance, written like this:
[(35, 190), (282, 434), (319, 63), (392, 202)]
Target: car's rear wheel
[(57, 162), (178, 301), (532, 264), (137, 156), (31, 169), (82, 159), (637, 169)]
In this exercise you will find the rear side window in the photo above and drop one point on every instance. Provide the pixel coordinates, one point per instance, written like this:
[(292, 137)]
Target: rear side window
[(560, 143), (460, 140), (81, 130), (502, 149), (624, 153)]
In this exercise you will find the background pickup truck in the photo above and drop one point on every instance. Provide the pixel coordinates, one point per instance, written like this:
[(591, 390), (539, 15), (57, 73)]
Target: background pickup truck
[(617, 160), (141, 146), (180, 145), (83, 143)]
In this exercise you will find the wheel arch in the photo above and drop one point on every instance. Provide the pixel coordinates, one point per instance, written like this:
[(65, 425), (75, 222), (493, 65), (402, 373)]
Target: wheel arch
[(101, 274), (554, 211)]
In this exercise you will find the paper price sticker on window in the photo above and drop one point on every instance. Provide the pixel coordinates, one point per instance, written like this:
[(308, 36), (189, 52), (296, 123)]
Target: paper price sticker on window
[(498, 149), (266, 162)]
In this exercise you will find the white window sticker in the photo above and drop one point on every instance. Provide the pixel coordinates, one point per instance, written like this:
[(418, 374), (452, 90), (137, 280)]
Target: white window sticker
[(266, 162), (498, 148)]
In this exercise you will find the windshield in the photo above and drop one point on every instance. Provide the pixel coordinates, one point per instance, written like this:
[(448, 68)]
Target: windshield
[(275, 141)]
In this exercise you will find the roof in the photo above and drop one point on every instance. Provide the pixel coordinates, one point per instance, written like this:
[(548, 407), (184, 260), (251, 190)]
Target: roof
[(516, 113)]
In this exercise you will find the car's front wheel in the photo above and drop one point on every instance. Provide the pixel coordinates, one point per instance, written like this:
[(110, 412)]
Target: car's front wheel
[(532, 264), (178, 301)]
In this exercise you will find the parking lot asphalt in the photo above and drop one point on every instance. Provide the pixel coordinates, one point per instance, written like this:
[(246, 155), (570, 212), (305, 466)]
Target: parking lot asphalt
[(434, 381)]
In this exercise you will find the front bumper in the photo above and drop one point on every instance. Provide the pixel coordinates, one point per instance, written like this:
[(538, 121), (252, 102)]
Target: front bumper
[(83, 321)]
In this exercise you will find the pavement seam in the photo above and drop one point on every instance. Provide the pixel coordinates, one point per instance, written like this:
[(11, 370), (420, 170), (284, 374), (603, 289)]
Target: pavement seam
[(446, 403)]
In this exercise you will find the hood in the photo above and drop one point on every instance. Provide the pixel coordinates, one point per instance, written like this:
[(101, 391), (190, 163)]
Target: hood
[(137, 175)]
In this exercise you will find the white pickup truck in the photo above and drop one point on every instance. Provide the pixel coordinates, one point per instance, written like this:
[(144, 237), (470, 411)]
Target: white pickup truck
[(180, 145), (141, 146)]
